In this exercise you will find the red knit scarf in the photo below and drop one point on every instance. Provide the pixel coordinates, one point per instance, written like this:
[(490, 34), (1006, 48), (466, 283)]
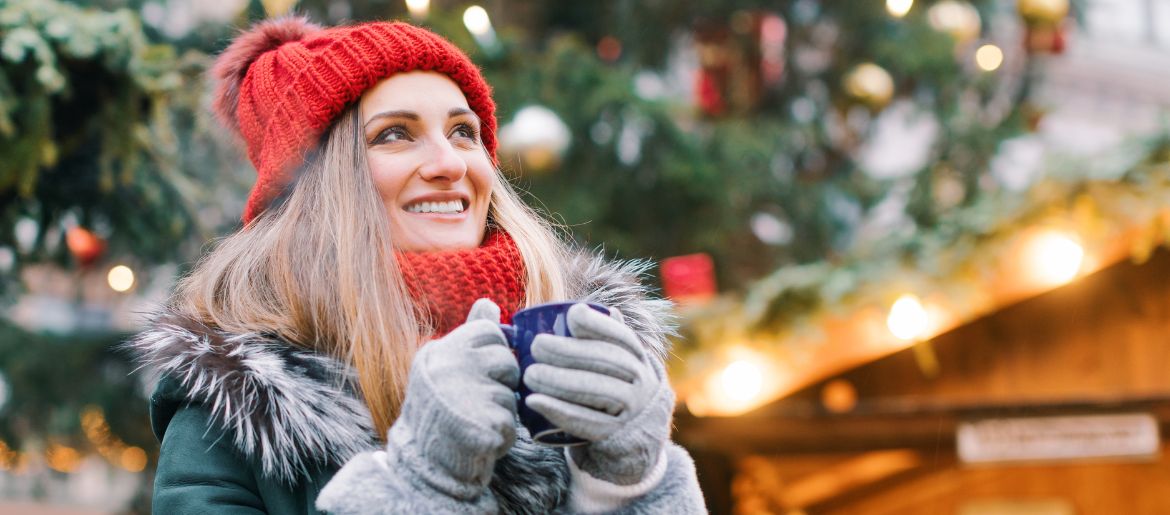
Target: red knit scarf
[(445, 284)]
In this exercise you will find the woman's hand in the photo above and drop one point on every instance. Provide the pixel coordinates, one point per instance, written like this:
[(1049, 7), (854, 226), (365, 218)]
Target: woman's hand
[(602, 386), (460, 408)]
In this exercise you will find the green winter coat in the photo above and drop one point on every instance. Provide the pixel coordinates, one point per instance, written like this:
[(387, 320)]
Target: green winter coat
[(250, 424), (200, 472)]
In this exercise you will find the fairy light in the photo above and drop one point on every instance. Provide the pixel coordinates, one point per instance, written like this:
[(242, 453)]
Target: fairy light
[(112, 448), (8, 456), (907, 319), (839, 396), (742, 380), (989, 57), (133, 459), (419, 9), (899, 8), (476, 19), (62, 458), (121, 278), (1053, 258)]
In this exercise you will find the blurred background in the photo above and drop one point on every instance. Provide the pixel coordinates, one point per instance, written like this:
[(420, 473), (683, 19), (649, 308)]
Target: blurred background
[(918, 246)]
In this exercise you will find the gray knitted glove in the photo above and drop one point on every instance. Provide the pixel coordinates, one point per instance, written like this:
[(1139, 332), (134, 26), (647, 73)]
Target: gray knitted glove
[(460, 409), (602, 386)]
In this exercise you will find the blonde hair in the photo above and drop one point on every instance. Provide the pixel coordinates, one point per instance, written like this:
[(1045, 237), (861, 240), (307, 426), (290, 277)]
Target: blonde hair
[(318, 270)]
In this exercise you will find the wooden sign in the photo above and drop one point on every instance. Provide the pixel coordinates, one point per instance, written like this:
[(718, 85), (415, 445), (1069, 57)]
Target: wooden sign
[(1017, 507), (1130, 435)]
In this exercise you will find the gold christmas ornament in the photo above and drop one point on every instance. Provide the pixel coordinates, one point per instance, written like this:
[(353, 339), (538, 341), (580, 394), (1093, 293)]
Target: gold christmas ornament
[(957, 18), (1042, 12), (274, 8), (538, 137), (870, 84)]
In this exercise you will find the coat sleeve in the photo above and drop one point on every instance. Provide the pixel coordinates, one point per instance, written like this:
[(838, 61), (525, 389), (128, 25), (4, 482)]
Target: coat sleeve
[(377, 483), (199, 472)]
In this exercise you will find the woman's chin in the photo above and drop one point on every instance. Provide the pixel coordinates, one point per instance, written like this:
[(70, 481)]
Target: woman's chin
[(436, 239)]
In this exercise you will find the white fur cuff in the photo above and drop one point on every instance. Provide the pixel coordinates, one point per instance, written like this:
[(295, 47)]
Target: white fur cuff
[(592, 495)]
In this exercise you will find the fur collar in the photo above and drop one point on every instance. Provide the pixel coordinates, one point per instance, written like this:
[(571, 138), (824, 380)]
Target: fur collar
[(292, 409)]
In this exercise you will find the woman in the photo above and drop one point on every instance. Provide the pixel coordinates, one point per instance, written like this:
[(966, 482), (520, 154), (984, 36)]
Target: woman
[(341, 352)]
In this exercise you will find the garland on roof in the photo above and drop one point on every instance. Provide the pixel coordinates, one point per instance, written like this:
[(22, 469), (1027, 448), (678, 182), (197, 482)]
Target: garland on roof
[(958, 262)]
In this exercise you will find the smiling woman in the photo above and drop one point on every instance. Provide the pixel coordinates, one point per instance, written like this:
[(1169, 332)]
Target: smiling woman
[(342, 352), (427, 161)]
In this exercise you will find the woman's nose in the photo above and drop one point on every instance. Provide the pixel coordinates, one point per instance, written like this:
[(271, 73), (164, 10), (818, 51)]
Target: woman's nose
[(443, 162)]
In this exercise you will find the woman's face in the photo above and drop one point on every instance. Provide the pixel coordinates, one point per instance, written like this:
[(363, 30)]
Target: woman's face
[(427, 162)]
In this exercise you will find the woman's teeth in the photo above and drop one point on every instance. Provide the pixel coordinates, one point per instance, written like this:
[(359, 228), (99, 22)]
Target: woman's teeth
[(449, 207)]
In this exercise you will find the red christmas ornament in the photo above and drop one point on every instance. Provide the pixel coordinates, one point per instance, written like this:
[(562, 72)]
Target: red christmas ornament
[(708, 94), (84, 245), (689, 278), (609, 49)]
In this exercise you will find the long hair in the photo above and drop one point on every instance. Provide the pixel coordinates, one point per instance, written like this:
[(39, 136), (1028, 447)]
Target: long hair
[(317, 269)]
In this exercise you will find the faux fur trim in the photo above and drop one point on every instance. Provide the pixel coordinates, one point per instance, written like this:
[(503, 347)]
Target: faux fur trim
[(288, 408), (617, 283), (291, 409)]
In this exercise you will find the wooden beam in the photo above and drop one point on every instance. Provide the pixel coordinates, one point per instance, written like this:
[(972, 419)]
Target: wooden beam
[(919, 427), (854, 473)]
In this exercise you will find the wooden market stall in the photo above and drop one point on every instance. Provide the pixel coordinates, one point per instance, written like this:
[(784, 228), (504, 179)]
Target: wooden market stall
[(1062, 402)]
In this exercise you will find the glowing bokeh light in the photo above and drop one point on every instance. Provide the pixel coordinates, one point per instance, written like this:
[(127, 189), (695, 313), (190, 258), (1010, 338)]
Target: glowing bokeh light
[(742, 380), (907, 319), (899, 8), (121, 278), (989, 58)]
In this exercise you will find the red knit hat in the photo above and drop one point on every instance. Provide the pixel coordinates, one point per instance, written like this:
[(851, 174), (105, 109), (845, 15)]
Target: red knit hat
[(283, 82)]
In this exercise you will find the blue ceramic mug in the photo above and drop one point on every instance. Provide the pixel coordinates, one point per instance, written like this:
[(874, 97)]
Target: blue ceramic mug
[(550, 318)]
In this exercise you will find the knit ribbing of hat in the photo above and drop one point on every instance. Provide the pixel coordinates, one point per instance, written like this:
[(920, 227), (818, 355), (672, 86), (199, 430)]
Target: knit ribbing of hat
[(445, 284)]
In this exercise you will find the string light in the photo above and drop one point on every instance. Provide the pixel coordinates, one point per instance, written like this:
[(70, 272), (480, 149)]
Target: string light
[(742, 380), (121, 278), (476, 19), (899, 8), (9, 458), (1053, 258), (989, 57), (839, 396), (907, 319), (133, 459), (419, 9), (112, 448), (62, 458)]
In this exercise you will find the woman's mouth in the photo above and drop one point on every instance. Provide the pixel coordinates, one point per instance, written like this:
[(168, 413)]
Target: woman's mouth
[(450, 207)]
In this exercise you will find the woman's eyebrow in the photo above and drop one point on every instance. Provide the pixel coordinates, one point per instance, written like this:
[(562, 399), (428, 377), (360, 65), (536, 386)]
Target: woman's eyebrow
[(409, 115), (462, 111)]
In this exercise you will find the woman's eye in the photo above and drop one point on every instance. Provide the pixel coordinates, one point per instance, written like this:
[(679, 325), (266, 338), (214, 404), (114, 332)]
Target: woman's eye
[(391, 135), (465, 131)]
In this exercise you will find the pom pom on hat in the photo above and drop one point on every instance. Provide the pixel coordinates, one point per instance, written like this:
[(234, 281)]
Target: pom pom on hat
[(282, 83), (232, 65)]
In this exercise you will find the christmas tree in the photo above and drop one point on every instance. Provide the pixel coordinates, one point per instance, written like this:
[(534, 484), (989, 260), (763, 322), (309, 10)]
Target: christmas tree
[(825, 147)]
